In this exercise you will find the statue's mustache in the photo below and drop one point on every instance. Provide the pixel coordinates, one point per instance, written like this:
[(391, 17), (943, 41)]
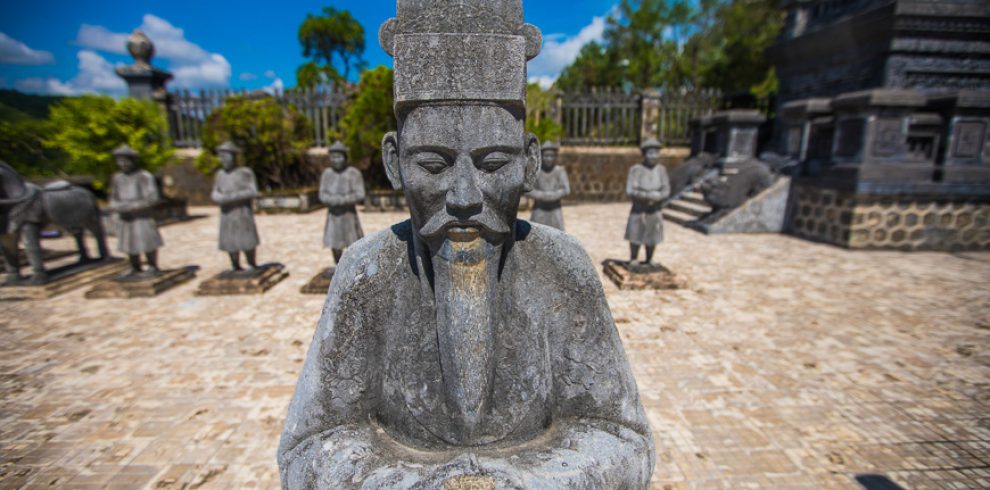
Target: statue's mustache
[(486, 221)]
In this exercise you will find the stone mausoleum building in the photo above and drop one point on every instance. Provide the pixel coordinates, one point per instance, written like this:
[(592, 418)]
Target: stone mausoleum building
[(886, 104)]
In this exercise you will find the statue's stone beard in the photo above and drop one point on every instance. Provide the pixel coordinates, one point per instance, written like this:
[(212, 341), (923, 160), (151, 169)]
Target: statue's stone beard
[(465, 279)]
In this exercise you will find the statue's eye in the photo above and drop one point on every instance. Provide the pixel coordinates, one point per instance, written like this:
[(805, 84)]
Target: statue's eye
[(433, 164), (493, 161)]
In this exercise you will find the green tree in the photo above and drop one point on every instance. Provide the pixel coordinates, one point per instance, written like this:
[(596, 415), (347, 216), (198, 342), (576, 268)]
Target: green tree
[(88, 128), (595, 66), (368, 117), (732, 58), (334, 35), (646, 37), (539, 105), (22, 146), (273, 139)]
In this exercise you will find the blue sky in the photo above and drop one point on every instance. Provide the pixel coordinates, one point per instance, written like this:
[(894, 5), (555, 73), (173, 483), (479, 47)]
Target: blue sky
[(70, 47)]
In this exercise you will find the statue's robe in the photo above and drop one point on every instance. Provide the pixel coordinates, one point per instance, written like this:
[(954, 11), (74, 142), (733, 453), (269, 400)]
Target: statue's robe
[(644, 184), (341, 192), (549, 189), (235, 191), (134, 197), (369, 408)]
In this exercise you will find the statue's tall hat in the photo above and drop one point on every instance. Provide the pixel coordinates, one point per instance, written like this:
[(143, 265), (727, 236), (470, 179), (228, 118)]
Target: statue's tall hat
[(460, 50)]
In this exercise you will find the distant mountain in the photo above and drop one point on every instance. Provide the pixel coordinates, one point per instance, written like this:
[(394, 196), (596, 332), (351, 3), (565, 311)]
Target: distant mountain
[(17, 106)]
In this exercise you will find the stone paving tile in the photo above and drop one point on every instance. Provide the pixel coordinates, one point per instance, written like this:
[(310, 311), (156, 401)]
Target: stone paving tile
[(783, 364)]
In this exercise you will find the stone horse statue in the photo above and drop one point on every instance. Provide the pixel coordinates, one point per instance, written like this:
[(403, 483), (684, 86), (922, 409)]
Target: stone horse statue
[(25, 209)]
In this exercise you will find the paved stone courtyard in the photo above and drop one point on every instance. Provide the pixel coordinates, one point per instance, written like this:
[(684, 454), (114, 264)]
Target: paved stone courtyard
[(784, 364)]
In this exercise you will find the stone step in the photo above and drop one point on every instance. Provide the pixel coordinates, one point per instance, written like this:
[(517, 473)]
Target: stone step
[(694, 209), (694, 197), (677, 216)]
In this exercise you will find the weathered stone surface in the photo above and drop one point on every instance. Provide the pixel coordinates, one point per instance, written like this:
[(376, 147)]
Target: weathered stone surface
[(766, 212), (631, 275), (437, 358), (141, 285), (251, 281)]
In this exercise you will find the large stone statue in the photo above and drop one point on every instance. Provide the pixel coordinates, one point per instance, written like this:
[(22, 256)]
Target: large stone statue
[(736, 184), (133, 196), (26, 208), (341, 189), (647, 186), (234, 190), (550, 187), (464, 348)]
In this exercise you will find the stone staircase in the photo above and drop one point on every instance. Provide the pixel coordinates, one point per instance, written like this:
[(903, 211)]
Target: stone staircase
[(688, 206)]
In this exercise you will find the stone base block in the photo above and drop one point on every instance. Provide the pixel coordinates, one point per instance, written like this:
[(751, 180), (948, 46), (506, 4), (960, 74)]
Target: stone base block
[(65, 278), (898, 222), (46, 255), (255, 281), (143, 286), (320, 283), (626, 275), (762, 213)]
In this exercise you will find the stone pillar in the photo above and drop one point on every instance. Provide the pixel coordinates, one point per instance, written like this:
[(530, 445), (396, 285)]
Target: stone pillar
[(796, 118), (966, 155), (871, 138), (649, 122), (143, 80), (735, 133)]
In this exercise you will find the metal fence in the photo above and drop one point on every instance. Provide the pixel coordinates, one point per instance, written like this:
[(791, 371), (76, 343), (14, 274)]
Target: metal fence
[(188, 111), (678, 108)]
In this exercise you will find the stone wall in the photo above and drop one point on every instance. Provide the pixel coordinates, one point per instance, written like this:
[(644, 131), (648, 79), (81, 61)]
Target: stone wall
[(598, 173), (890, 222)]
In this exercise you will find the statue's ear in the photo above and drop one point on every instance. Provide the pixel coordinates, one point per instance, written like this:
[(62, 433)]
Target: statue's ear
[(533, 157), (390, 158)]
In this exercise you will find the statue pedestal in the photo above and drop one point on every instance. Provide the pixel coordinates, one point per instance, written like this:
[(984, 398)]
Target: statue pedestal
[(46, 255), (641, 276), (65, 278), (320, 283), (142, 286), (255, 281)]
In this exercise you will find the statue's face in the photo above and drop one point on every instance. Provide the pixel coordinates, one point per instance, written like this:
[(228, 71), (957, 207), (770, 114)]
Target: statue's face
[(462, 168), (549, 159), (651, 157), (338, 160), (126, 164), (228, 160)]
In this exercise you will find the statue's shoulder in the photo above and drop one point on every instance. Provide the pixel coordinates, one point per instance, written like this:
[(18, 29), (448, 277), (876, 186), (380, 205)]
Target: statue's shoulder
[(377, 256), (353, 171), (555, 254)]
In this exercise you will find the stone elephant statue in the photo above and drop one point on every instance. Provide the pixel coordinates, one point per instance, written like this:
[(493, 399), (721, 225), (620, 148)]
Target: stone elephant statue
[(25, 209)]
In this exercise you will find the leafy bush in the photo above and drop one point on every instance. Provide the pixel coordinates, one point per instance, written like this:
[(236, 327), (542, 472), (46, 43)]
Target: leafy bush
[(87, 129), (367, 118), (22, 146), (273, 139), (539, 103)]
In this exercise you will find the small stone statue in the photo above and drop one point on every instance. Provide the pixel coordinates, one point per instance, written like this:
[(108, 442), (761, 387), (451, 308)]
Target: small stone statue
[(133, 196), (341, 189), (551, 186), (234, 190), (647, 186), (464, 348)]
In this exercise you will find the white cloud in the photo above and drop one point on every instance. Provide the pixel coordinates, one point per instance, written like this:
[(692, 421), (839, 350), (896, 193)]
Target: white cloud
[(560, 50), (247, 77), (96, 74), (14, 52), (544, 81), (270, 73), (191, 65), (275, 87)]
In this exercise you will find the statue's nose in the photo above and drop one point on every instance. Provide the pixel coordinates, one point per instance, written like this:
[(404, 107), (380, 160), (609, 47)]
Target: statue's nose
[(464, 198)]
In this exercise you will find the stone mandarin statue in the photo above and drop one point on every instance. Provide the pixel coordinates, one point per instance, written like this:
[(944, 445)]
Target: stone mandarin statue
[(341, 189), (647, 186), (464, 348), (133, 196), (551, 186), (234, 189)]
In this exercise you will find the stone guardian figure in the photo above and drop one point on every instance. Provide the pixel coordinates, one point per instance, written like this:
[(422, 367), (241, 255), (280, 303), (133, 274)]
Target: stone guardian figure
[(551, 186), (647, 186), (234, 189), (133, 196), (341, 189), (464, 348)]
